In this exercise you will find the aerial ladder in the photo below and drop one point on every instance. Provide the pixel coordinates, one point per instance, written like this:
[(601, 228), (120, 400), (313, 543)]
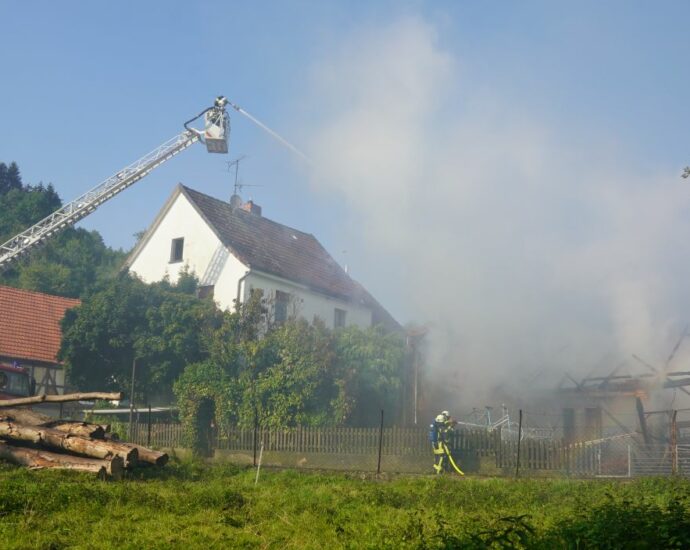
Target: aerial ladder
[(214, 135)]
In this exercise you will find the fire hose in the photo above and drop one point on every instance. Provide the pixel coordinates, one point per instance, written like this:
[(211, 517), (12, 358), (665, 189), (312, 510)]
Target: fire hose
[(445, 451)]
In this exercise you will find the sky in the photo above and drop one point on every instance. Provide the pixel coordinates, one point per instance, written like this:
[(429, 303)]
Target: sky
[(506, 173)]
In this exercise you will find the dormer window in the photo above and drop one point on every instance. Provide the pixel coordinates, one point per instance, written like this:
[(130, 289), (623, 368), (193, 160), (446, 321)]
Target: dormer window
[(176, 250)]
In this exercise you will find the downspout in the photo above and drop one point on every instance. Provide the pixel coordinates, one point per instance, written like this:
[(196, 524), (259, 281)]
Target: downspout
[(240, 282)]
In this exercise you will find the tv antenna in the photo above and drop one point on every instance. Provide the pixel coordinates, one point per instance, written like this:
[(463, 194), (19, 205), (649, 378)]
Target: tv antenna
[(238, 185), (236, 164)]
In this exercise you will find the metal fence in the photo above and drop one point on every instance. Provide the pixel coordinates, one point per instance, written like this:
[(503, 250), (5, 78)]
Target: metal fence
[(614, 457), (159, 435), (408, 450)]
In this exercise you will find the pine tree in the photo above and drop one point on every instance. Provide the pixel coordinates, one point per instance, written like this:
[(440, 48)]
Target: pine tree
[(10, 178)]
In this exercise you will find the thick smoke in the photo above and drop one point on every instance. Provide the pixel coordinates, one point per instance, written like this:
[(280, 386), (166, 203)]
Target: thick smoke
[(529, 253)]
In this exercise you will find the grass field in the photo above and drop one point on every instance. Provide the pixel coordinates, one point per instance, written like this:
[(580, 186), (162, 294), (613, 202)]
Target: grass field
[(191, 505)]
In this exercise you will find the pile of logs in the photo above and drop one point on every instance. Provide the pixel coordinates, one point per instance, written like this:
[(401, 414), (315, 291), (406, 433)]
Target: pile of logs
[(39, 441)]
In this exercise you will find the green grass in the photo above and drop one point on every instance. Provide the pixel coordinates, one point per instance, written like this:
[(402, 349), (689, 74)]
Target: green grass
[(191, 505)]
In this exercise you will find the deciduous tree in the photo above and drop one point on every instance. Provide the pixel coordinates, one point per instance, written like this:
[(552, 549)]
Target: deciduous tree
[(160, 326), (72, 263)]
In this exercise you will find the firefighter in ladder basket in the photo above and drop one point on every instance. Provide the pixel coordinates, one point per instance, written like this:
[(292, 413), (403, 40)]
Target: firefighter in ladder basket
[(439, 434)]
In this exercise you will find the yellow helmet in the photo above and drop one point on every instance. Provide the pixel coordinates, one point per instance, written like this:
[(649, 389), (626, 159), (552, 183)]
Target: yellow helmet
[(441, 418)]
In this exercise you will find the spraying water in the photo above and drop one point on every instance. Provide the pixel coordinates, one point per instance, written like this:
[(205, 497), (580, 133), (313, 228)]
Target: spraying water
[(274, 134)]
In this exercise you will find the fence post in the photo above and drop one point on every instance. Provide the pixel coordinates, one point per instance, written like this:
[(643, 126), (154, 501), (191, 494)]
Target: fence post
[(254, 443), (378, 467), (517, 462), (258, 467), (674, 444), (131, 398), (599, 459), (498, 452), (148, 435)]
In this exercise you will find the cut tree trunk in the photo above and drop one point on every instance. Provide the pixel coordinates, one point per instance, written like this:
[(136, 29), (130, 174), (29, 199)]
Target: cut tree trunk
[(74, 427), (25, 416), (40, 459), (150, 456), (55, 439), (28, 417), (105, 396)]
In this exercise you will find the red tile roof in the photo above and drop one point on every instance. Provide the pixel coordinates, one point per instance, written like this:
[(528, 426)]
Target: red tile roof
[(30, 324)]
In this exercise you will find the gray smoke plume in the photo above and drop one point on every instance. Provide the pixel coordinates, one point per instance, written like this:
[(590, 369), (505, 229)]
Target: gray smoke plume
[(528, 252)]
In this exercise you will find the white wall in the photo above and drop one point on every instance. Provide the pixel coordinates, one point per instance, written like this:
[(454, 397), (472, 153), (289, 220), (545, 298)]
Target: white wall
[(306, 303), (152, 263), (226, 289), (200, 242)]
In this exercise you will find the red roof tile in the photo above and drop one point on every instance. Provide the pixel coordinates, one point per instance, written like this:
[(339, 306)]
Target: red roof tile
[(30, 324)]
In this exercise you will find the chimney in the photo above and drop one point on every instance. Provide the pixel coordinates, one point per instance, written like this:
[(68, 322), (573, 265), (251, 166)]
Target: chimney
[(235, 201), (252, 208)]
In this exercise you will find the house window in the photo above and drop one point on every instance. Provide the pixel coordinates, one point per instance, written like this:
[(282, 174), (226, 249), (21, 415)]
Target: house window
[(339, 318), (176, 250), (281, 306)]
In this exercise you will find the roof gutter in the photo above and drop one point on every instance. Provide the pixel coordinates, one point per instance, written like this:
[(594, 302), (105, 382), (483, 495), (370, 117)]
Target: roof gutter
[(240, 282)]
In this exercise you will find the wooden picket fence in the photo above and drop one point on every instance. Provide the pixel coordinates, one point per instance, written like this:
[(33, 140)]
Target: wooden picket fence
[(332, 440), (161, 435), (477, 440), (535, 454), (398, 441), (619, 458)]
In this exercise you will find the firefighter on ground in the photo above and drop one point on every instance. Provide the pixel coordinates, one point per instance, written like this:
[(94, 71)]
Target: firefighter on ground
[(439, 434)]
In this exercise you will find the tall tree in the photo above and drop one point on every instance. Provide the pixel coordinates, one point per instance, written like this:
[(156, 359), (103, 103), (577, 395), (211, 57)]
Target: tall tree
[(24, 206), (10, 178), (369, 366), (72, 263), (295, 373), (157, 325)]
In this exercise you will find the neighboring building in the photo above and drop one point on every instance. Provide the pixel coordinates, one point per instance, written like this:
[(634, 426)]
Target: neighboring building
[(234, 251), (30, 334), (623, 403)]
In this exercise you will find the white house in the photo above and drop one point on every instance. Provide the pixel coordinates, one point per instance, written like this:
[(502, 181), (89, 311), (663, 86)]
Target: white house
[(234, 251)]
